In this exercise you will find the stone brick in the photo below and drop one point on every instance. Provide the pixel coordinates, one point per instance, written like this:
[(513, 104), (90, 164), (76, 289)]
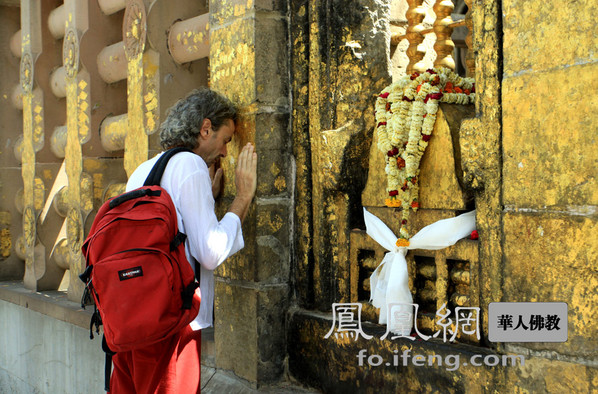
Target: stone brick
[(273, 263), (272, 131), (550, 154), (249, 334), (546, 34), (271, 325), (271, 52), (274, 171), (542, 253), (235, 334), (272, 219)]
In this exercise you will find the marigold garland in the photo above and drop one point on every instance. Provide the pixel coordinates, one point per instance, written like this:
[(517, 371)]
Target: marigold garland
[(405, 117)]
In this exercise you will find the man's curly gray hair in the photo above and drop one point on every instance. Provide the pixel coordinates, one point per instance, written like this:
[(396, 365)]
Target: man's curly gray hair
[(184, 119)]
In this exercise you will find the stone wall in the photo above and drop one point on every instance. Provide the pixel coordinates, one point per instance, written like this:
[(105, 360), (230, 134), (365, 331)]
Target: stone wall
[(526, 156), (249, 63), (549, 165)]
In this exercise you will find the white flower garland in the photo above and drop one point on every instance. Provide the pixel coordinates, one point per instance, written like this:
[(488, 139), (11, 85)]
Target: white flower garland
[(405, 116)]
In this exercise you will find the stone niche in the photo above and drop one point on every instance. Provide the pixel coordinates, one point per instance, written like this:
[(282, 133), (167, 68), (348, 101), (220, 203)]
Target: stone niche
[(435, 277)]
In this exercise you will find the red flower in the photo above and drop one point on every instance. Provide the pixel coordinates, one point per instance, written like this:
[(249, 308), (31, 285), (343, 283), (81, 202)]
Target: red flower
[(431, 71), (395, 150), (473, 88), (393, 193), (426, 137), (381, 124), (388, 106), (414, 75), (400, 162), (384, 95), (414, 204), (474, 234), (404, 187), (405, 98), (404, 221), (433, 96)]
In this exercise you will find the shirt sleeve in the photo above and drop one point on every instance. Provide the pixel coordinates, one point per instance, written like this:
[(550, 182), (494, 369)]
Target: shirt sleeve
[(210, 241)]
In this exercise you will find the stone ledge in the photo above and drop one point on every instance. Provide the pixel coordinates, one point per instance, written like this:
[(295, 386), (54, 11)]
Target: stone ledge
[(50, 303)]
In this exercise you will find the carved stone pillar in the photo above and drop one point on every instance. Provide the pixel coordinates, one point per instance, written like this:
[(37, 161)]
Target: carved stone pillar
[(444, 45), (416, 52)]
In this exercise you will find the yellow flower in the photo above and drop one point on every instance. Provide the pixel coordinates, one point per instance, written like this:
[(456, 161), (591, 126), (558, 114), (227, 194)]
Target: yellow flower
[(402, 242)]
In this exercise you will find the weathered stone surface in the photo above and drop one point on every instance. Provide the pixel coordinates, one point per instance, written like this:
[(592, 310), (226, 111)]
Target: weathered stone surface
[(552, 152), (551, 376), (236, 330), (271, 325), (272, 75), (233, 74), (273, 219), (275, 169), (539, 37), (272, 130), (249, 337), (272, 260), (309, 351), (543, 253)]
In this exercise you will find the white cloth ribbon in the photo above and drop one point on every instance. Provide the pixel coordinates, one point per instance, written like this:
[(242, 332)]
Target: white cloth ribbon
[(389, 283)]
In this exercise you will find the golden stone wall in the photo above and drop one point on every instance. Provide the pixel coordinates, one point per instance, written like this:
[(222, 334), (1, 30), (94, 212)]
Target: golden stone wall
[(525, 156)]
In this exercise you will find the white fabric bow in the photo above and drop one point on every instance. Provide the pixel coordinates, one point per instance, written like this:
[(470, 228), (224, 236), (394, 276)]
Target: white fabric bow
[(389, 283)]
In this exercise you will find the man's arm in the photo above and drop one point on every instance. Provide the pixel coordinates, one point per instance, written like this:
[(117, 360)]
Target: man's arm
[(245, 181)]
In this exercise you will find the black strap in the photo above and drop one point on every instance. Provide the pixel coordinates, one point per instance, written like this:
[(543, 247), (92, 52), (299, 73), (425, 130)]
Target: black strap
[(155, 175), (178, 239), (107, 372), (187, 294), (197, 272), (108, 364), (137, 193)]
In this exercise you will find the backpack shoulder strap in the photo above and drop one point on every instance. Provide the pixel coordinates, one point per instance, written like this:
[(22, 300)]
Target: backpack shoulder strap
[(155, 175)]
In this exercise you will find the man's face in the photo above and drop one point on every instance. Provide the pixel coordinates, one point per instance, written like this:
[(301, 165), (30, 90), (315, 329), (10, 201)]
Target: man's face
[(213, 145)]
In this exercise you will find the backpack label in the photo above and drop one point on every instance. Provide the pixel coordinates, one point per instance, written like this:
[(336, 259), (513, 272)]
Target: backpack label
[(130, 273)]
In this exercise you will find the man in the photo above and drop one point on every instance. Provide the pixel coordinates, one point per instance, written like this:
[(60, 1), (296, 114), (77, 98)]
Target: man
[(204, 122)]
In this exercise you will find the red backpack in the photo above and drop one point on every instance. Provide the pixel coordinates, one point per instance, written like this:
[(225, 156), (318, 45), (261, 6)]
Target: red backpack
[(137, 273)]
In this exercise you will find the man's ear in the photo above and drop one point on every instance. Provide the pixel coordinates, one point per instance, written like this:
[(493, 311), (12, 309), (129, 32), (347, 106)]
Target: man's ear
[(206, 128)]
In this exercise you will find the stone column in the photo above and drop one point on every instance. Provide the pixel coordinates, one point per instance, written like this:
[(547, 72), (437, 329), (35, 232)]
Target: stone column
[(248, 63)]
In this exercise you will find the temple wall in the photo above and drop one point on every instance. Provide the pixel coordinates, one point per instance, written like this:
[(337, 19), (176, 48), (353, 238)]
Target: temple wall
[(525, 157)]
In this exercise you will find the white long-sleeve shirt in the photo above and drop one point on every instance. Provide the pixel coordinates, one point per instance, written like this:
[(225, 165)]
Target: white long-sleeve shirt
[(187, 180)]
